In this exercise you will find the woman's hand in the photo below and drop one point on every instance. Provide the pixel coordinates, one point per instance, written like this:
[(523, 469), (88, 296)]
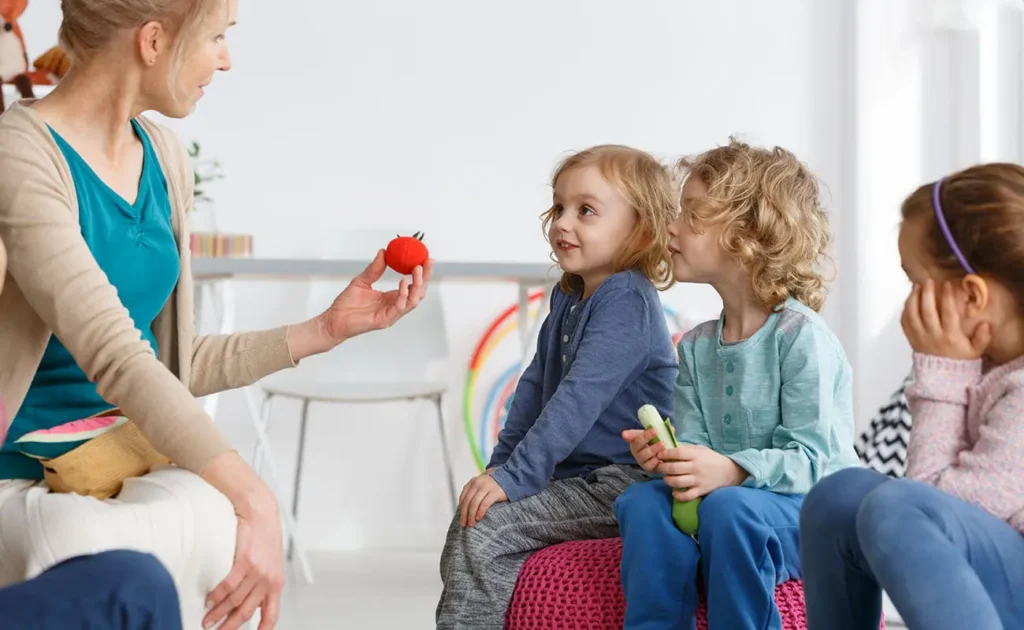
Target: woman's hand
[(646, 454), (477, 497), (932, 325), (257, 576), (358, 309), (693, 471)]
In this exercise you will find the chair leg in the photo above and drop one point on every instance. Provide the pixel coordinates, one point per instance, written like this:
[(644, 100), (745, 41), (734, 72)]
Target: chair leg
[(298, 470), (446, 453), (264, 419)]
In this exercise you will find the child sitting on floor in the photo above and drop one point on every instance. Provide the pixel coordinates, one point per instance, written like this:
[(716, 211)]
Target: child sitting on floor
[(944, 543), (604, 350), (763, 404)]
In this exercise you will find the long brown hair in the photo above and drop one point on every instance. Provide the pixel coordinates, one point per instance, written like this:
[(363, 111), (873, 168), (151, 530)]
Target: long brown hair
[(984, 209)]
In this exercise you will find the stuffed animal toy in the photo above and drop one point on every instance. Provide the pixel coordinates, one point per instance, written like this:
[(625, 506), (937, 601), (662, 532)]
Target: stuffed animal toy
[(55, 63), (684, 513), (405, 253), (14, 68)]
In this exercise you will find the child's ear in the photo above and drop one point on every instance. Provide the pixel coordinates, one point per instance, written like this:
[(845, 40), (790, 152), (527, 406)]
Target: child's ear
[(978, 295)]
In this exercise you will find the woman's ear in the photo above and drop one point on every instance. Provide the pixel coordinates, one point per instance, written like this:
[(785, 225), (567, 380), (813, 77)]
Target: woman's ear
[(978, 295)]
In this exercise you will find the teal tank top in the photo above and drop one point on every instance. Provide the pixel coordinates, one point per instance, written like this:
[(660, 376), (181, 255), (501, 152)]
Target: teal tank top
[(134, 245)]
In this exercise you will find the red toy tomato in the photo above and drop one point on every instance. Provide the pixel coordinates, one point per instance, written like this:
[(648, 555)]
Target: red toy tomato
[(405, 253)]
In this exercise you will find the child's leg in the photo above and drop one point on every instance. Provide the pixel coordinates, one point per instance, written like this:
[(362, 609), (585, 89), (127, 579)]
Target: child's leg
[(749, 544), (944, 562), (480, 565), (839, 587), (659, 562)]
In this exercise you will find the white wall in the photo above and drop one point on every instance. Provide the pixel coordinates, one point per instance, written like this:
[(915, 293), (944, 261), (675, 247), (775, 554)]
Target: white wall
[(448, 117)]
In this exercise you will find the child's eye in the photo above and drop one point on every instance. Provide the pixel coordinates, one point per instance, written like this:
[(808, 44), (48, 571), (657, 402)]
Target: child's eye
[(557, 209), (585, 210)]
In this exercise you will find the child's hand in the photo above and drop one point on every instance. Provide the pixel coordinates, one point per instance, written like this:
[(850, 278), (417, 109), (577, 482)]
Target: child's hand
[(646, 454), (477, 497), (694, 471), (932, 325)]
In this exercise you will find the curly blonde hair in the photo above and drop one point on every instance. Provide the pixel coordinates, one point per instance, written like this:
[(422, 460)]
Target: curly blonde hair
[(774, 224), (647, 187)]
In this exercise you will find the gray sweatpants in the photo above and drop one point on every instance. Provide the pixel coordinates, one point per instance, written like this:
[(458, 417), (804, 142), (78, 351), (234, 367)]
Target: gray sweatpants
[(480, 565)]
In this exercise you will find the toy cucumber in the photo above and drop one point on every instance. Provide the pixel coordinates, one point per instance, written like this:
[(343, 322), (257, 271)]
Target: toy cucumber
[(684, 514)]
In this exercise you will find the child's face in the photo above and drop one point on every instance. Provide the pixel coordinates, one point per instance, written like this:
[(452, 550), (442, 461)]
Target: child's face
[(696, 256), (591, 222), (977, 300)]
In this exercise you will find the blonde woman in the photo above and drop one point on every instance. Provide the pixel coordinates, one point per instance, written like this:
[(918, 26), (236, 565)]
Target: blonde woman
[(97, 313)]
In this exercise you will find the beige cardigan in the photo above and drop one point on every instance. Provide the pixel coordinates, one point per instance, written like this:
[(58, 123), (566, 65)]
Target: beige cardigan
[(55, 285)]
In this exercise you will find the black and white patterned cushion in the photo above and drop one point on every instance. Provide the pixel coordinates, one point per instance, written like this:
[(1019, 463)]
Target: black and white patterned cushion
[(883, 446)]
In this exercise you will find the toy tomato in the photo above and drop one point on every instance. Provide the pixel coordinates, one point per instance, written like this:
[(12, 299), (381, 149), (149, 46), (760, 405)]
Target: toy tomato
[(405, 253)]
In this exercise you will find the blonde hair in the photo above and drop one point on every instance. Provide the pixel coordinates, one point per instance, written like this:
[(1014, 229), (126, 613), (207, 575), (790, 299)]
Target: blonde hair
[(775, 226), (89, 25), (646, 186)]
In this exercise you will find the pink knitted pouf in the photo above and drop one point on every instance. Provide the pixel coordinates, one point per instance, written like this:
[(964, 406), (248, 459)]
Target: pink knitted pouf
[(576, 586)]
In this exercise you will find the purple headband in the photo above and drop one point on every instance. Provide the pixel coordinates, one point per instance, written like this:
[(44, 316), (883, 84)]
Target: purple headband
[(945, 228)]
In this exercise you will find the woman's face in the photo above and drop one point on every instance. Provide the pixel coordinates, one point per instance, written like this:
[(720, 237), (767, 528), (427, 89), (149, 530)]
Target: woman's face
[(206, 53)]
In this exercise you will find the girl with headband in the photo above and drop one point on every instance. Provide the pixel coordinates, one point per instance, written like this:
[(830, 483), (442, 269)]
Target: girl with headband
[(945, 543)]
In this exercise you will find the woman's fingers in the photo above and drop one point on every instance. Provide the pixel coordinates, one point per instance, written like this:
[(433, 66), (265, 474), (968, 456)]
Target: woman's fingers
[(233, 601)]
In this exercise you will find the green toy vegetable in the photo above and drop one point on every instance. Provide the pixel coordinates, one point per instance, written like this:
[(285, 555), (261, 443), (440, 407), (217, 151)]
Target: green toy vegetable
[(684, 514)]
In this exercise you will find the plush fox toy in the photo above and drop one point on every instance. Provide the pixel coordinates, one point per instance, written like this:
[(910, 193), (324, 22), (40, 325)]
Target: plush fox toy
[(14, 68)]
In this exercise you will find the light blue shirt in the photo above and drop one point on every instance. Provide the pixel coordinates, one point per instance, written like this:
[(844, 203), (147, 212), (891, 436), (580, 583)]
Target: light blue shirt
[(779, 403)]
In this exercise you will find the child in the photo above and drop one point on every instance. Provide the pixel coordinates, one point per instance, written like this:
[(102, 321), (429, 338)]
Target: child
[(604, 350), (763, 401), (945, 543)]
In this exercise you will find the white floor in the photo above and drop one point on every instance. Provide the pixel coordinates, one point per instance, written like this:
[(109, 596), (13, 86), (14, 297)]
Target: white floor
[(372, 590), (375, 590)]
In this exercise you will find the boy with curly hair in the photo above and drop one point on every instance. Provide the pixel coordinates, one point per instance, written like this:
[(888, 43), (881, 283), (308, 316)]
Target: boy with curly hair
[(763, 405)]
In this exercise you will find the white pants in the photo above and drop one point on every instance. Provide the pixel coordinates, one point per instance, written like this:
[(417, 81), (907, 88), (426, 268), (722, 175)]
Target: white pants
[(171, 513)]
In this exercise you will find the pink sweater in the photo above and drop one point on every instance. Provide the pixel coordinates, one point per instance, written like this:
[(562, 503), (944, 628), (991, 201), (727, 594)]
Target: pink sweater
[(968, 432)]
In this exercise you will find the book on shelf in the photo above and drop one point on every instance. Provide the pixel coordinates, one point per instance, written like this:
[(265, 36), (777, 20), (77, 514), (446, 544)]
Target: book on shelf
[(218, 245)]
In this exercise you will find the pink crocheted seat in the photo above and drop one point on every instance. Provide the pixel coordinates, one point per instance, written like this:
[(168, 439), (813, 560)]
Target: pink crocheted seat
[(576, 586)]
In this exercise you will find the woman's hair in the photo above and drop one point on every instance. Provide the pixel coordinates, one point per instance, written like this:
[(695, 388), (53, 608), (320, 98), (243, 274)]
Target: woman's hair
[(774, 225), (90, 25), (983, 207), (646, 185)]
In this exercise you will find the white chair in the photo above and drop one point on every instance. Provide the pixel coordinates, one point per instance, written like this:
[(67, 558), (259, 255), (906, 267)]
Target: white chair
[(403, 363)]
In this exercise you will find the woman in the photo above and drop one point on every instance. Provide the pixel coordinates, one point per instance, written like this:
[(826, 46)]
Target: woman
[(97, 313)]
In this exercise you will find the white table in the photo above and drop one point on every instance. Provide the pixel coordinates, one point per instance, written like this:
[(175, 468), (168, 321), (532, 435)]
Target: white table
[(217, 275)]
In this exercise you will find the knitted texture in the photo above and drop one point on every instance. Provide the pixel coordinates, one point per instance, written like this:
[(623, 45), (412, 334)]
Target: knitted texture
[(576, 586)]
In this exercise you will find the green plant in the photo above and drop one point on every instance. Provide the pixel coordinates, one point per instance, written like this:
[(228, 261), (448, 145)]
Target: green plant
[(205, 171)]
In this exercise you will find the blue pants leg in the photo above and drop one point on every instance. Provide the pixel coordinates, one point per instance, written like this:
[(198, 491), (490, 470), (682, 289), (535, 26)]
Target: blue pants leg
[(116, 590), (749, 544), (659, 562), (944, 562)]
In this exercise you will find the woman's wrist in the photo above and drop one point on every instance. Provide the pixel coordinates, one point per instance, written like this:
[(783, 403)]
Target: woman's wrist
[(236, 480), (309, 338)]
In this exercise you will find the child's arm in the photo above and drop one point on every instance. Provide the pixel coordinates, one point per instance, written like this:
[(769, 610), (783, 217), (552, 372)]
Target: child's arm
[(991, 472), (802, 444), (937, 399), (614, 350), (525, 406), (688, 416)]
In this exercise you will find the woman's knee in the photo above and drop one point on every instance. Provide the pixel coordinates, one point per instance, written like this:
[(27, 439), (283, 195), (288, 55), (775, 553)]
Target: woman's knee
[(836, 499)]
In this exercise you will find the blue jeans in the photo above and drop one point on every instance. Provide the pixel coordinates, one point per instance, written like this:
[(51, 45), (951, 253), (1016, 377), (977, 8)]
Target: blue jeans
[(749, 538), (115, 590), (944, 562)]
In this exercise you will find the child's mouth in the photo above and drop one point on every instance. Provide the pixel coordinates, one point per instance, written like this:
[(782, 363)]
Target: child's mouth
[(566, 246)]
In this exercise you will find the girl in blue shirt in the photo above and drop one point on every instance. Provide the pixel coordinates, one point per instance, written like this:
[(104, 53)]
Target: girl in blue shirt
[(604, 350), (763, 406)]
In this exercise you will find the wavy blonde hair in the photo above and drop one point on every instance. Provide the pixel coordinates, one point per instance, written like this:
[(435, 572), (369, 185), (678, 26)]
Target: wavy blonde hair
[(647, 187), (775, 226), (88, 26)]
